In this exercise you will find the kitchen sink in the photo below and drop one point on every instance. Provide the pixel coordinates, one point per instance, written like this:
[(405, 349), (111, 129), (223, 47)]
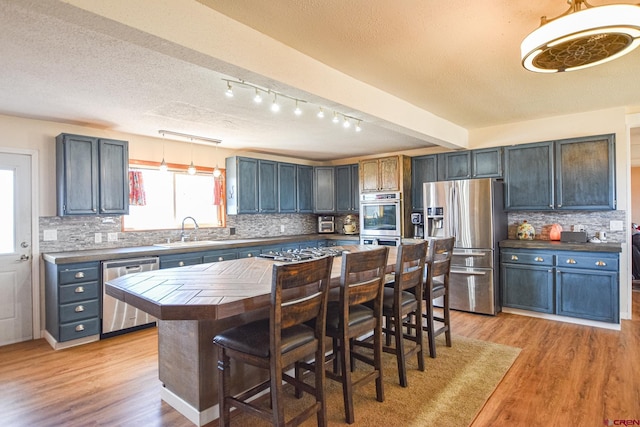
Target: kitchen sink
[(189, 243)]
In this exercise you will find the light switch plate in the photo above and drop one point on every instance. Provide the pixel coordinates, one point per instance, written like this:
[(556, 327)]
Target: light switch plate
[(112, 237), (98, 237), (49, 235)]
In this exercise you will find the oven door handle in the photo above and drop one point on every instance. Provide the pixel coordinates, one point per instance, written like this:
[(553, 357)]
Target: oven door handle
[(468, 273)]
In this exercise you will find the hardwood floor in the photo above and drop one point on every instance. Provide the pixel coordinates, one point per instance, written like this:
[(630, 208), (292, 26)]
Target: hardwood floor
[(566, 375)]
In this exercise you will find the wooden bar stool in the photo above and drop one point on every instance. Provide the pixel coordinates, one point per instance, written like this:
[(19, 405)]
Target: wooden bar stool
[(350, 321), (438, 266), (402, 307), (299, 293)]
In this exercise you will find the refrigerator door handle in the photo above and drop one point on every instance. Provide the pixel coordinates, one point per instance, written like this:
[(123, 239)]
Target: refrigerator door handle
[(453, 212), (467, 272)]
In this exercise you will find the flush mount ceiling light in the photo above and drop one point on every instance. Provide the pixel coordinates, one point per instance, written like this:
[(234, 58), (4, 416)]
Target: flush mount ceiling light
[(581, 38)]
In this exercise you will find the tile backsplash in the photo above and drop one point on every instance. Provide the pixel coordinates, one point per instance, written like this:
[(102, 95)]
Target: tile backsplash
[(593, 222)]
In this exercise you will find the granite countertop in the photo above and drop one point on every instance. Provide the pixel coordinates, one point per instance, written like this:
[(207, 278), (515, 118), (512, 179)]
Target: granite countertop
[(69, 257), (560, 246)]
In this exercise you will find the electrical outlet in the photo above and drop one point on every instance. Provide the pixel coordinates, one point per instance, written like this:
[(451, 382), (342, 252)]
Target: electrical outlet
[(49, 235), (232, 231), (112, 237), (98, 237), (282, 228), (615, 225)]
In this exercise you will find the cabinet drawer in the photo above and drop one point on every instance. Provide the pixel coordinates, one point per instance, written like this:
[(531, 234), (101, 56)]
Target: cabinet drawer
[(534, 258), (78, 292), (79, 310), (179, 262), (594, 262), (79, 329), (249, 253), (219, 257), (77, 275)]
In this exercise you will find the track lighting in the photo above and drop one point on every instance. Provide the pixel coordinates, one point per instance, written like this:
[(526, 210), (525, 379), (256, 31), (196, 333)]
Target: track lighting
[(275, 105), (258, 98)]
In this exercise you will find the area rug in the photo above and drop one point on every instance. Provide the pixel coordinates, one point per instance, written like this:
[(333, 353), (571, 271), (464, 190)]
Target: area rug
[(450, 392)]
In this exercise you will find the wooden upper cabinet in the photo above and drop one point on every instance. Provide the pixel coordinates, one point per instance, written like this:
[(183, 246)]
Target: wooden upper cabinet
[(384, 174)]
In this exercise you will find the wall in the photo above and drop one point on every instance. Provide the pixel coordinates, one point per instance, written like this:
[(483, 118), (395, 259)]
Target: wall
[(635, 195), (576, 125)]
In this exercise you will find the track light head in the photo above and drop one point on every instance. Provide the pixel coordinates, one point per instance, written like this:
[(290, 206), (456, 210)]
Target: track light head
[(229, 92)]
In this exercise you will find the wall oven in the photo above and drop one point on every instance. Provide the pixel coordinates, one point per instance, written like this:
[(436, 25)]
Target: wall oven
[(380, 217)]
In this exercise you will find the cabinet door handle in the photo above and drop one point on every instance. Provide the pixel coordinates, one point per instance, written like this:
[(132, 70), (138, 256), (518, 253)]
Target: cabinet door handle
[(79, 328), (79, 309), (571, 261), (79, 275), (181, 264), (560, 205), (551, 206), (79, 290), (539, 259), (601, 263), (514, 257), (249, 255)]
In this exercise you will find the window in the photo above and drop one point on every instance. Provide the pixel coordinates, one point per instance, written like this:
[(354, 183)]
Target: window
[(172, 196)]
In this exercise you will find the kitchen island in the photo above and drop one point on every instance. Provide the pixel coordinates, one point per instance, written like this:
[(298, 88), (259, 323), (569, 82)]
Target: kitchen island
[(195, 303)]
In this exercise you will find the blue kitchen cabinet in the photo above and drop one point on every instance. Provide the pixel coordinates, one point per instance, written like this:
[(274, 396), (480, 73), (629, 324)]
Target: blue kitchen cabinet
[(587, 286), (530, 182), (242, 185), (423, 169), (526, 279), (287, 188), (72, 300), (91, 175), (267, 186), (567, 283), (219, 256), (304, 189), (486, 163), (454, 165), (585, 171), (347, 189), (324, 189), (180, 260), (570, 174)]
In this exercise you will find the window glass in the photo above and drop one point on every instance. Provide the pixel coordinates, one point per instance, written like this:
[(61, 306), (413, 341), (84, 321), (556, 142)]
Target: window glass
[(172, 196), (7, 219)]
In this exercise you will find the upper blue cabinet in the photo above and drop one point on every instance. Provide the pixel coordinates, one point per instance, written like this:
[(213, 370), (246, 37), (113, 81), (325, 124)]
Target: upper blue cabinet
[(92, 175), (569, 174)]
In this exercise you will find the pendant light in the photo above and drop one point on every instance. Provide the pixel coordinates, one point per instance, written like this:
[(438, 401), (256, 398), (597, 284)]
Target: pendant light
[(192, 169), (217, 172), (163, 165)]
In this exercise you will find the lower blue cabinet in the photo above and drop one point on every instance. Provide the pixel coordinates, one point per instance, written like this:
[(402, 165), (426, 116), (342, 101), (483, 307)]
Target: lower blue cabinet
[(568, 283)]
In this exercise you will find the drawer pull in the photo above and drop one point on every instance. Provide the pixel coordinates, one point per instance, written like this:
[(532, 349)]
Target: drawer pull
[(181, 264), (79, 275), (79, 328), (539, 259), (249, 255), (601, 263), (79, 309), (571, 261), (79, 290), (220, 258), (514, 257)]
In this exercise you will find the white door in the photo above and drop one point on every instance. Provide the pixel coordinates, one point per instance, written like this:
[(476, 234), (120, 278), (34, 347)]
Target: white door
[(16, 311)]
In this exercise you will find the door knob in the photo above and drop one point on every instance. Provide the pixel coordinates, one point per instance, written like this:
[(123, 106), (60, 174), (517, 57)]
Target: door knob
[(24, 257)]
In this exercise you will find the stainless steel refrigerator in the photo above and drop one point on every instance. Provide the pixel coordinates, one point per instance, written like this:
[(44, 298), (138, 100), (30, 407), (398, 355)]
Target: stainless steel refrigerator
[(472, 211)]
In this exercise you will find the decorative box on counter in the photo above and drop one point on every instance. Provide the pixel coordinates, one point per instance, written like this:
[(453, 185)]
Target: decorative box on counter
[(573, 236)]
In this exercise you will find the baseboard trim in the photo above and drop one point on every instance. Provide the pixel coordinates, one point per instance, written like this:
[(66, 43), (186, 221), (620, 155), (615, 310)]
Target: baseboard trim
[(199, 418), (585, 322), (66, 344)]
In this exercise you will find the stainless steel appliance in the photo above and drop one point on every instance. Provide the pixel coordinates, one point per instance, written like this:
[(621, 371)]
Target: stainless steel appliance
[(471, 211), (118, 317), (418, 225), (326, 224), (382, 241), (380, 217)]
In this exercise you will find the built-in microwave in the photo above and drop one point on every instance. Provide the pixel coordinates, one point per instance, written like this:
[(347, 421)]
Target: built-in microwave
[(381, 214)]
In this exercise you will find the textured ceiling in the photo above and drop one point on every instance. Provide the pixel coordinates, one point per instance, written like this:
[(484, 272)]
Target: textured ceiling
[(456, 59)]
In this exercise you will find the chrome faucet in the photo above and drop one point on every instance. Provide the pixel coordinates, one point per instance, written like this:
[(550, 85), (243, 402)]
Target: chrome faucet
[(184, 235)]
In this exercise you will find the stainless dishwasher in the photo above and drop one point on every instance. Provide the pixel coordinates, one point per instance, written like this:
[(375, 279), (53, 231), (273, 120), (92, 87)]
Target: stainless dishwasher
[(118, 317)]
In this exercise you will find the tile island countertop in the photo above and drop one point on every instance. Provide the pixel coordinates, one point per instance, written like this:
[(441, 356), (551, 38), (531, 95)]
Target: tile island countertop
[(561, 246)]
